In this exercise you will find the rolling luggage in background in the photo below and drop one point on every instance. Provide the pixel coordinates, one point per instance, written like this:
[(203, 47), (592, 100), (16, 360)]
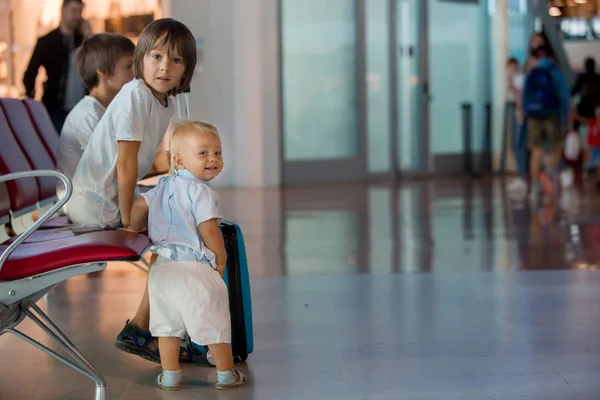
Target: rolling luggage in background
[(237, 280)]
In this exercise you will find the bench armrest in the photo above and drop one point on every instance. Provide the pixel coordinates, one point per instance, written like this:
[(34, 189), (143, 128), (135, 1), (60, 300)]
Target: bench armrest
[(59, 204)]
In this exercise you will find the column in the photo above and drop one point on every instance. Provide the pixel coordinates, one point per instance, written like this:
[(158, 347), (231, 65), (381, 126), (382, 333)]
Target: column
[(499, 35), (236, 86)]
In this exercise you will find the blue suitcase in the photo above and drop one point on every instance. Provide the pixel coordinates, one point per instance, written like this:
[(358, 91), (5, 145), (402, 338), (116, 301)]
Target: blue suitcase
[(237, 280)]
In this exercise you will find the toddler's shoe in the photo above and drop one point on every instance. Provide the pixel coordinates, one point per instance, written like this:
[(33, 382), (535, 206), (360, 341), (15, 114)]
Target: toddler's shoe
[(230, 379), (170, 382)]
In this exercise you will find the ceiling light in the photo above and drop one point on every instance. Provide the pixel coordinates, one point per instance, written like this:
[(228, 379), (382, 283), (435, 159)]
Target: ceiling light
[(554, 12)]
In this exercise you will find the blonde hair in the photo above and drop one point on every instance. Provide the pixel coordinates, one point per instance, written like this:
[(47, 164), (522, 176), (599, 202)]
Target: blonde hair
[(180, 130)]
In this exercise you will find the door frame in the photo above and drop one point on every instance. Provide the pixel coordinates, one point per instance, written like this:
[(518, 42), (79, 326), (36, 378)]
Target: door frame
[(424, 94)]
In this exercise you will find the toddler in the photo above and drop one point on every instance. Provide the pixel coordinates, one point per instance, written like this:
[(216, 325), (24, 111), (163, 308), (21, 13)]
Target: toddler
[(185, 286)]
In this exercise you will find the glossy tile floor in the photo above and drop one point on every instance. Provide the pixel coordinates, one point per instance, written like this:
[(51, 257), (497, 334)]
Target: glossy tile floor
[(427, 290)]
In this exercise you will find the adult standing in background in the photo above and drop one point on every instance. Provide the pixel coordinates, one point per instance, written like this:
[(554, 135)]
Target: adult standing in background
[(54, 51), (587, 86)]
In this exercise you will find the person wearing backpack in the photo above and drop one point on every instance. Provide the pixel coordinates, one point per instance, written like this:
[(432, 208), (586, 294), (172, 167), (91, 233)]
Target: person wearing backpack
[(545, 100)]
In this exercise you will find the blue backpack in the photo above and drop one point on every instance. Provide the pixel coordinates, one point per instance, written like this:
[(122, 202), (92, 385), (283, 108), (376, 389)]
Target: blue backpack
[(540, 95)]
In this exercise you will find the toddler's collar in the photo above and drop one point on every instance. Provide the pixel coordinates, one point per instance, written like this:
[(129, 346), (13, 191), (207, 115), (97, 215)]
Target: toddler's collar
[(184, 173)]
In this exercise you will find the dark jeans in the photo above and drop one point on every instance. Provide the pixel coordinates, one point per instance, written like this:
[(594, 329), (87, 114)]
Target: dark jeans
[(58, 119)]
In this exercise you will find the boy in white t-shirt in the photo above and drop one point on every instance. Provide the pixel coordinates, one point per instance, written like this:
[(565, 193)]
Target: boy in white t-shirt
[(123, 148), (104, 63)]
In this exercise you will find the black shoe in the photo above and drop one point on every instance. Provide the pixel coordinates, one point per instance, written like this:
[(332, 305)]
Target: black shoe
[(136, 341)]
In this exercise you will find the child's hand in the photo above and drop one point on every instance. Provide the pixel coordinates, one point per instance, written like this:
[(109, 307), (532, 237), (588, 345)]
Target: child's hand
[(125, 223), (139, 217)]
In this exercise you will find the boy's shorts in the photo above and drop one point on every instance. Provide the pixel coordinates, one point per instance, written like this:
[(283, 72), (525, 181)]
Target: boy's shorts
[(188, 297), (544, 131)]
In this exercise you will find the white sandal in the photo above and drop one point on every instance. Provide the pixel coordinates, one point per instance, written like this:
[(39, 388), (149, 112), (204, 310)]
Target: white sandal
[(164, 387), (241, 380)]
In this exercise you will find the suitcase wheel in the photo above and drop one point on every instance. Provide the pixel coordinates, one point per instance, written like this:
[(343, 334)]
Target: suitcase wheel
[(209, 358), (240, 359)]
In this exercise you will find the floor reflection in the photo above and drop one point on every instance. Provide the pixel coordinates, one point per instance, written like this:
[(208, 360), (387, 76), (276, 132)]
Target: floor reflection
[(456, 226), (364, 292), (450, 226)]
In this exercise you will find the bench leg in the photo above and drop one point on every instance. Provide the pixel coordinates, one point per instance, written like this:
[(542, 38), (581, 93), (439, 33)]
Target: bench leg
[(79, 363)]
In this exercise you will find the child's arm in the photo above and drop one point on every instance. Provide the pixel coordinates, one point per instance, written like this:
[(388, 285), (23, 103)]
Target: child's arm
[(518, 100), (162, 163), (139, 216), (213, 239), (127, 171)]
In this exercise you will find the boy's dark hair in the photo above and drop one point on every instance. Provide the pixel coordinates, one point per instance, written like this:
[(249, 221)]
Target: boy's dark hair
[(544, 50), (590, 64), (65, 2), (101, 52), (175, 36), (513, 60)]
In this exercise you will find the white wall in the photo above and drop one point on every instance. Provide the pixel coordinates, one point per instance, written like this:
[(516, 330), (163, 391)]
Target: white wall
[(236, 84), (579, 50)]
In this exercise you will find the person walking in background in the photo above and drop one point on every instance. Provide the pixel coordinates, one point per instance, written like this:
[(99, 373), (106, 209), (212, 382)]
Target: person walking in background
[(586, 96), (587, 87), (545, 100), (593, 141), (54, 51)]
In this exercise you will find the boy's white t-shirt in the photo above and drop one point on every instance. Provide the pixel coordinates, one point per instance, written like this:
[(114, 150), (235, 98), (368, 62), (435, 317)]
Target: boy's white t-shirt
[(518, 80), (75, 135), (135, 114)]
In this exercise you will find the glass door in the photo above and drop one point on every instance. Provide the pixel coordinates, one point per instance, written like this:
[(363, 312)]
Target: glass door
[(322, 118), (354, 90)]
